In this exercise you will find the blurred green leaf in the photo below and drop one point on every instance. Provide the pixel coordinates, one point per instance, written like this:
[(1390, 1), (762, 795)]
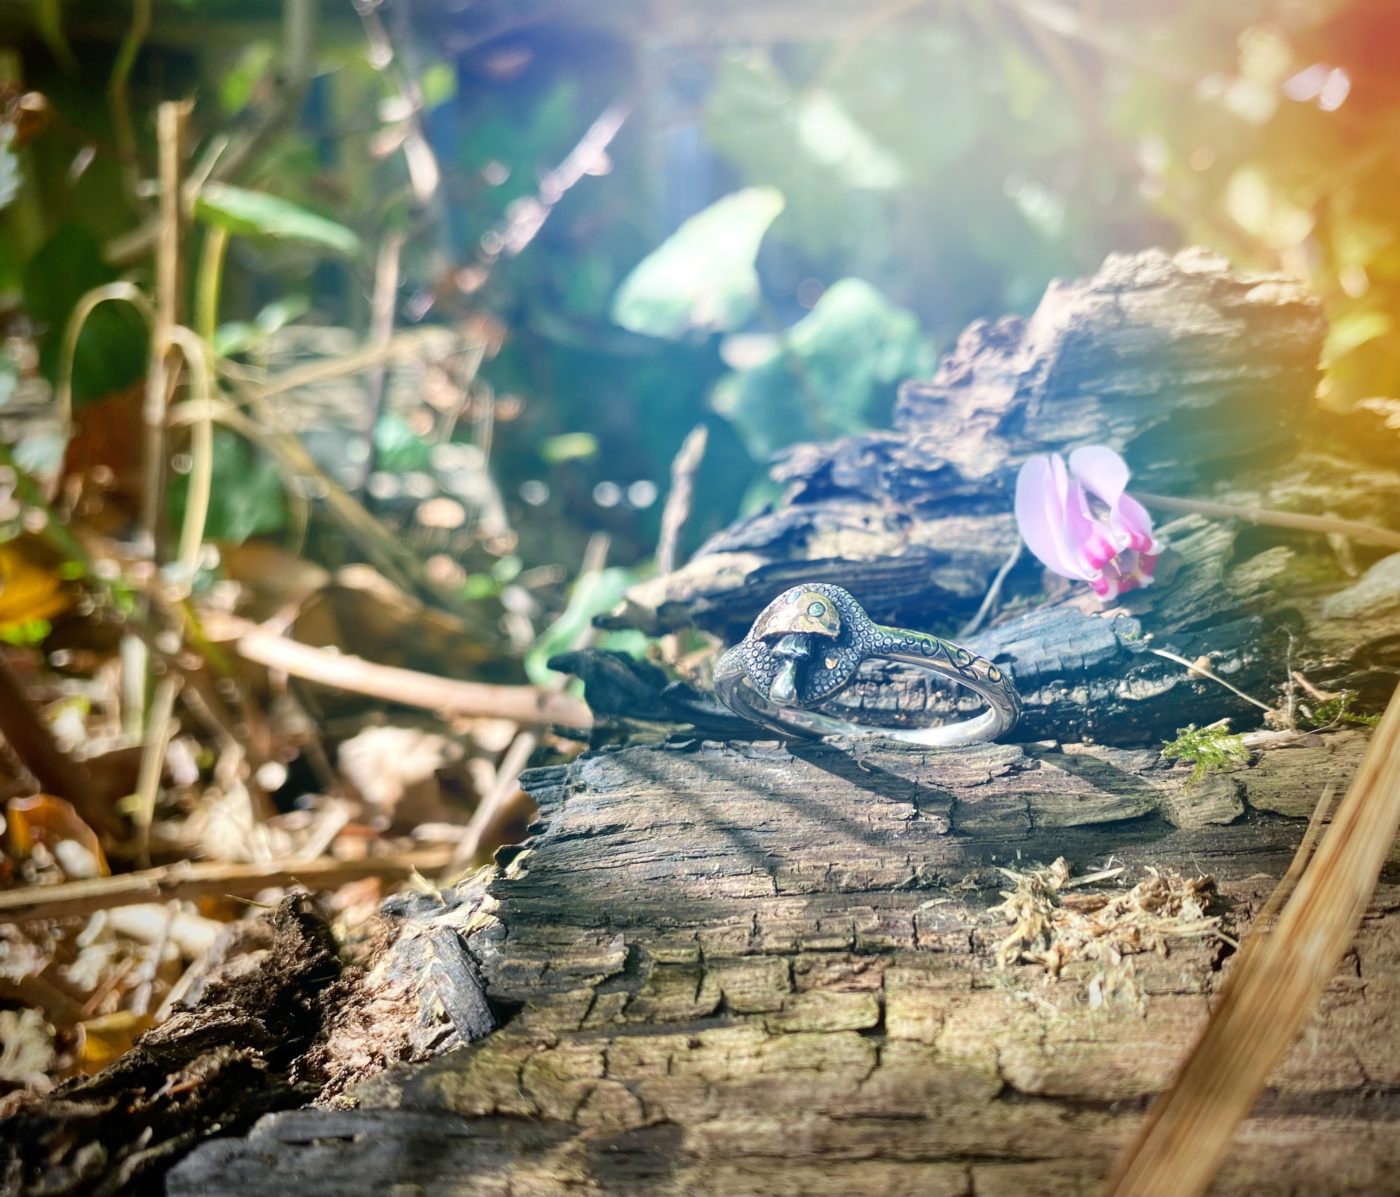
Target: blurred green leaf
[(48, 20), (822, 379), (397, 448), (438, 83), (257, 214), (702, 277), (247, 498), (239, 336), (1353, 330), (593, 594), (111, 349), (570, 446), (254, 63), (803, 141)]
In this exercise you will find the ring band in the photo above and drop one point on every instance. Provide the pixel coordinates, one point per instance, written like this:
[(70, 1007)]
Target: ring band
[(806, 646)]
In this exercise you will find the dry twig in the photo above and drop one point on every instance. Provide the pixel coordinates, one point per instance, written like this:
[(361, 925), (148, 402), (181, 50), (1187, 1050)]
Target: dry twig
[(1326, 524), (528, 705), (75, 899)]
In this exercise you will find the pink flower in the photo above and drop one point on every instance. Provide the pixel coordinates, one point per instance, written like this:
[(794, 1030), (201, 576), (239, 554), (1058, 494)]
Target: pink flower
[(1107, 543)]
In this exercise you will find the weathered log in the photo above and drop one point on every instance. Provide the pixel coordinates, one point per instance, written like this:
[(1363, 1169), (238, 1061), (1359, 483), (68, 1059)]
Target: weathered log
[(771, 971), (1192, 371), (1205, 379), (218, 1067)]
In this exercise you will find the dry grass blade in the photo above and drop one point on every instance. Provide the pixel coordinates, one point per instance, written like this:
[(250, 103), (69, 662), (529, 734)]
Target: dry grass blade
[(1275, 986)]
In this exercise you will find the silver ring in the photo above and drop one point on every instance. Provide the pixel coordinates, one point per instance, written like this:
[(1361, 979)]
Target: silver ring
[(805, 648)]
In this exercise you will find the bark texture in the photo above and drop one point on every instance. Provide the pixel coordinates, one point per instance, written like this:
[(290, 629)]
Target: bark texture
[(765, 970)]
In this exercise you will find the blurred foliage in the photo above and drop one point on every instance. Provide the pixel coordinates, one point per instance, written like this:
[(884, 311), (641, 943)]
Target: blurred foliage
[(256, 214), (819, 378), (702, 278), (781, 231)]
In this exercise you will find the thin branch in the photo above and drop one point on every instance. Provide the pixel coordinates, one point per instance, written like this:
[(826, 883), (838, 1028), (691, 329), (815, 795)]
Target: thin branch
[(1192, 667), (526, 216), (119, 100), (678, 501), (170, 133), (381, 332), (197, 358), (1325, 524), (160, 728), (75, 899), (993, 591), (447, 696), (405, 344), (121, 292), (1316, 822)]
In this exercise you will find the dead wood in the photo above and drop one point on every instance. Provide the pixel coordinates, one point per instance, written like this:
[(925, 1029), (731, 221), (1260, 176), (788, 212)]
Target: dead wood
[(217, 1067), (764, 970)]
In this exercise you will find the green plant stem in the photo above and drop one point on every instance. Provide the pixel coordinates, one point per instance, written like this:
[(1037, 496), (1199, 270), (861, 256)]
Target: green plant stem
[(207, 287), (119, 101)]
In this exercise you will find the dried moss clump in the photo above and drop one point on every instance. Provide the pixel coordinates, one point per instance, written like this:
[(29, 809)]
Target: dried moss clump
[(1054, 926), (1207, 748)]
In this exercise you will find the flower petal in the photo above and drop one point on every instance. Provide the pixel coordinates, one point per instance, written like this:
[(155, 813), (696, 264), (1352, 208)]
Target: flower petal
[(1131, 521), (1103, 472), (1089, 539), (1041, 494)]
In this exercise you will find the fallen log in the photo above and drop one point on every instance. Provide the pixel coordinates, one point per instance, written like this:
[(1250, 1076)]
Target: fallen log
[(771, 970)]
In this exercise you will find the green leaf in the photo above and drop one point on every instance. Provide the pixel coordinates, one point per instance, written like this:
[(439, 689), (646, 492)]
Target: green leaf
[(111, 349), (823, 378), (257, 214), (568, 446), (253, 64), (397, 448), (1354, 330), (593, 594), (247, 498), (438, 84), (702, 277), (239, 336)]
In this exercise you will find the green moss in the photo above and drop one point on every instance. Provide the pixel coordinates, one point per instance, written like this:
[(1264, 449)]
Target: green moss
[(1336, 712), (1207, 748)]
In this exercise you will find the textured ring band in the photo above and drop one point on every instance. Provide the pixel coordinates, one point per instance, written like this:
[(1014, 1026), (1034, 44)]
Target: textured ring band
[(806, 646)]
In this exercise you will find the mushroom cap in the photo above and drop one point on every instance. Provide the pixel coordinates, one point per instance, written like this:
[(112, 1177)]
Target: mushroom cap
[(796, 611)]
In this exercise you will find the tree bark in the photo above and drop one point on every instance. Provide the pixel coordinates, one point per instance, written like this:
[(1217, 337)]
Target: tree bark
[(756, 969)]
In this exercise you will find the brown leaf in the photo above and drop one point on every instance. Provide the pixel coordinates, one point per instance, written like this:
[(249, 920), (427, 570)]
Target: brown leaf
[(44, 819)]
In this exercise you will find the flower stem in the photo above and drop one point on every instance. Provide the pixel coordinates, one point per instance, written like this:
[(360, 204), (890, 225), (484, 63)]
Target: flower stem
[(1366, 533)]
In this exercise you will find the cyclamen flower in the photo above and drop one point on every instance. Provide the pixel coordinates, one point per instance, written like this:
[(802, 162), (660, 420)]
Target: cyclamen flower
[(1109, 544)]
